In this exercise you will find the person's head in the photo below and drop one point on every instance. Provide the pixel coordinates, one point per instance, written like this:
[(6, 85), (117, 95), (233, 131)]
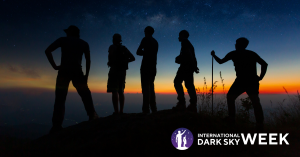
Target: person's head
[(149, 31), (117, 38), (241, 43), (179, 132), (183, 35), (72, 31)]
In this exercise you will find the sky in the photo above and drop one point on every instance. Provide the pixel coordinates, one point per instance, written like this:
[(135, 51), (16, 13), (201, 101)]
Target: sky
[(27, 28)]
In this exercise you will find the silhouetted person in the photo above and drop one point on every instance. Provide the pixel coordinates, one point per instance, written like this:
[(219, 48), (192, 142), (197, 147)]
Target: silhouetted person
[(148, 49), (179, 139), (184, 141), (72, 49), (246, 79), (188, 65), (118, 58)]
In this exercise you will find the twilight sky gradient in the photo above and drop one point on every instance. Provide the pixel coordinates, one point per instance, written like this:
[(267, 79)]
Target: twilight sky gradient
[(27, 28)]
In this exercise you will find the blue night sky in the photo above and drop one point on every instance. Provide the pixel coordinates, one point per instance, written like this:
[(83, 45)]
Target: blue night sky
[(27, 28)]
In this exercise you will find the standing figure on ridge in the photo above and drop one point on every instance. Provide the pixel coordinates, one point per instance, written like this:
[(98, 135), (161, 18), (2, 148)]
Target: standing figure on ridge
[(118, 58), (188, 65), (72, 49), (246, 79), (179, 139), (184, 141), (148, 49)]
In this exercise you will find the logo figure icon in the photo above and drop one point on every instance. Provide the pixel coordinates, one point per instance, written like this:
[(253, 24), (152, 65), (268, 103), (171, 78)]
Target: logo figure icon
[(182, 138)]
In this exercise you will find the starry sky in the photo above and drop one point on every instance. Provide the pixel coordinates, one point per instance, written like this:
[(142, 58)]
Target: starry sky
[(27, 28)]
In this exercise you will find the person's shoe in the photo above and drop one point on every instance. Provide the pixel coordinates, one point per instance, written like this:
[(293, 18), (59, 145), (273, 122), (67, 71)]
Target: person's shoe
[(153, 110), (192, 108), (55, 129), (93, 117), (146, 112), (179, 107), (153, 107), (115, 113)]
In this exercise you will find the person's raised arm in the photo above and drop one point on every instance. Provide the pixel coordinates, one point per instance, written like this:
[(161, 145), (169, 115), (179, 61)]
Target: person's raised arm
[(264, 66), (140, 50), (49, 55), (183, 132), (221, 61)]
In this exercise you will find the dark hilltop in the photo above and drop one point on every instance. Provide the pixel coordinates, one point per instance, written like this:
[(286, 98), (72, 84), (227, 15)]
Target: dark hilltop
[(138, 134)]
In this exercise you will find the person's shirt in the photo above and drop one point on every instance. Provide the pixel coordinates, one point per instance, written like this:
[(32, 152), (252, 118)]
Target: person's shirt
[(119, 56), (245, 63), (72, 49), (149, 53), (187, 58)]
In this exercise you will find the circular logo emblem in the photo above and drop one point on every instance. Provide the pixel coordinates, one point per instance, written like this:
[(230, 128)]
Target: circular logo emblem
[(182, 138)]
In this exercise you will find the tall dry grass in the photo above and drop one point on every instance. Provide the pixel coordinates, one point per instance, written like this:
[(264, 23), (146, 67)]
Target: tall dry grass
[(204, 99), (286, 113)]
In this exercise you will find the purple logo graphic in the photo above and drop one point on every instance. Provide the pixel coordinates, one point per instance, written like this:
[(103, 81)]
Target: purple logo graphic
[(182, 138)]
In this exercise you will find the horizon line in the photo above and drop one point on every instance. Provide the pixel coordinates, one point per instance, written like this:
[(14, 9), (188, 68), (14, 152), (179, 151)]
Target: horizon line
[(40, 90)]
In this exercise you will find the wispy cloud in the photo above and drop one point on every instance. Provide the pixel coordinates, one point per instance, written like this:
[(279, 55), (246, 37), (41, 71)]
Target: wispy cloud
[(26, 71), (12, 68)]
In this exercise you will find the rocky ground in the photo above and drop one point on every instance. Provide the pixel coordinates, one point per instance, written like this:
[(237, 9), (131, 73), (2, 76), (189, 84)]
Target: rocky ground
[(136, 134)]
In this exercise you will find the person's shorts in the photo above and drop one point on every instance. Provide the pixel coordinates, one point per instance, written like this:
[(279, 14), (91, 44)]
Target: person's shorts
[(116, 80), (250, 86)]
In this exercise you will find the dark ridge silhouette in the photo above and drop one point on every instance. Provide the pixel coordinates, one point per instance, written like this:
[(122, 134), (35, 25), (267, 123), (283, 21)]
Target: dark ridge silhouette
[(148, 49), (118, 58), (188, 65), (246, 79), (137, 134), (72, 49), (25, 131)]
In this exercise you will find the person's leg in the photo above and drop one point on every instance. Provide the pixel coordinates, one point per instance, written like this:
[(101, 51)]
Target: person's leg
[(235, 90), (80, 84), (61, 91), (115, 100), (179, 143), (152, 91), (258, 111), (178, 85), (121, 90), (189, 84), (253, 91), (145, 90), (122, 101), (113, 87)]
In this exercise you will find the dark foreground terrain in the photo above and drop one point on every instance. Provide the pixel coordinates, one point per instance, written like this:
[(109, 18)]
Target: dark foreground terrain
[(137, 134)]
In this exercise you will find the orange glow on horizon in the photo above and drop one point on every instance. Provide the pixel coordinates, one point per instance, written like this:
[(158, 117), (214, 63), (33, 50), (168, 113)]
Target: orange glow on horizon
[(262, 90), (290, 90), (265, 91)]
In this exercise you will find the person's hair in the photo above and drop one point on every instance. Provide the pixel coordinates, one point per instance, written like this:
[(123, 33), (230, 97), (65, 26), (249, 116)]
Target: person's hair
[(117, 38), (184, 34), (242, 42), (149, 30)]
